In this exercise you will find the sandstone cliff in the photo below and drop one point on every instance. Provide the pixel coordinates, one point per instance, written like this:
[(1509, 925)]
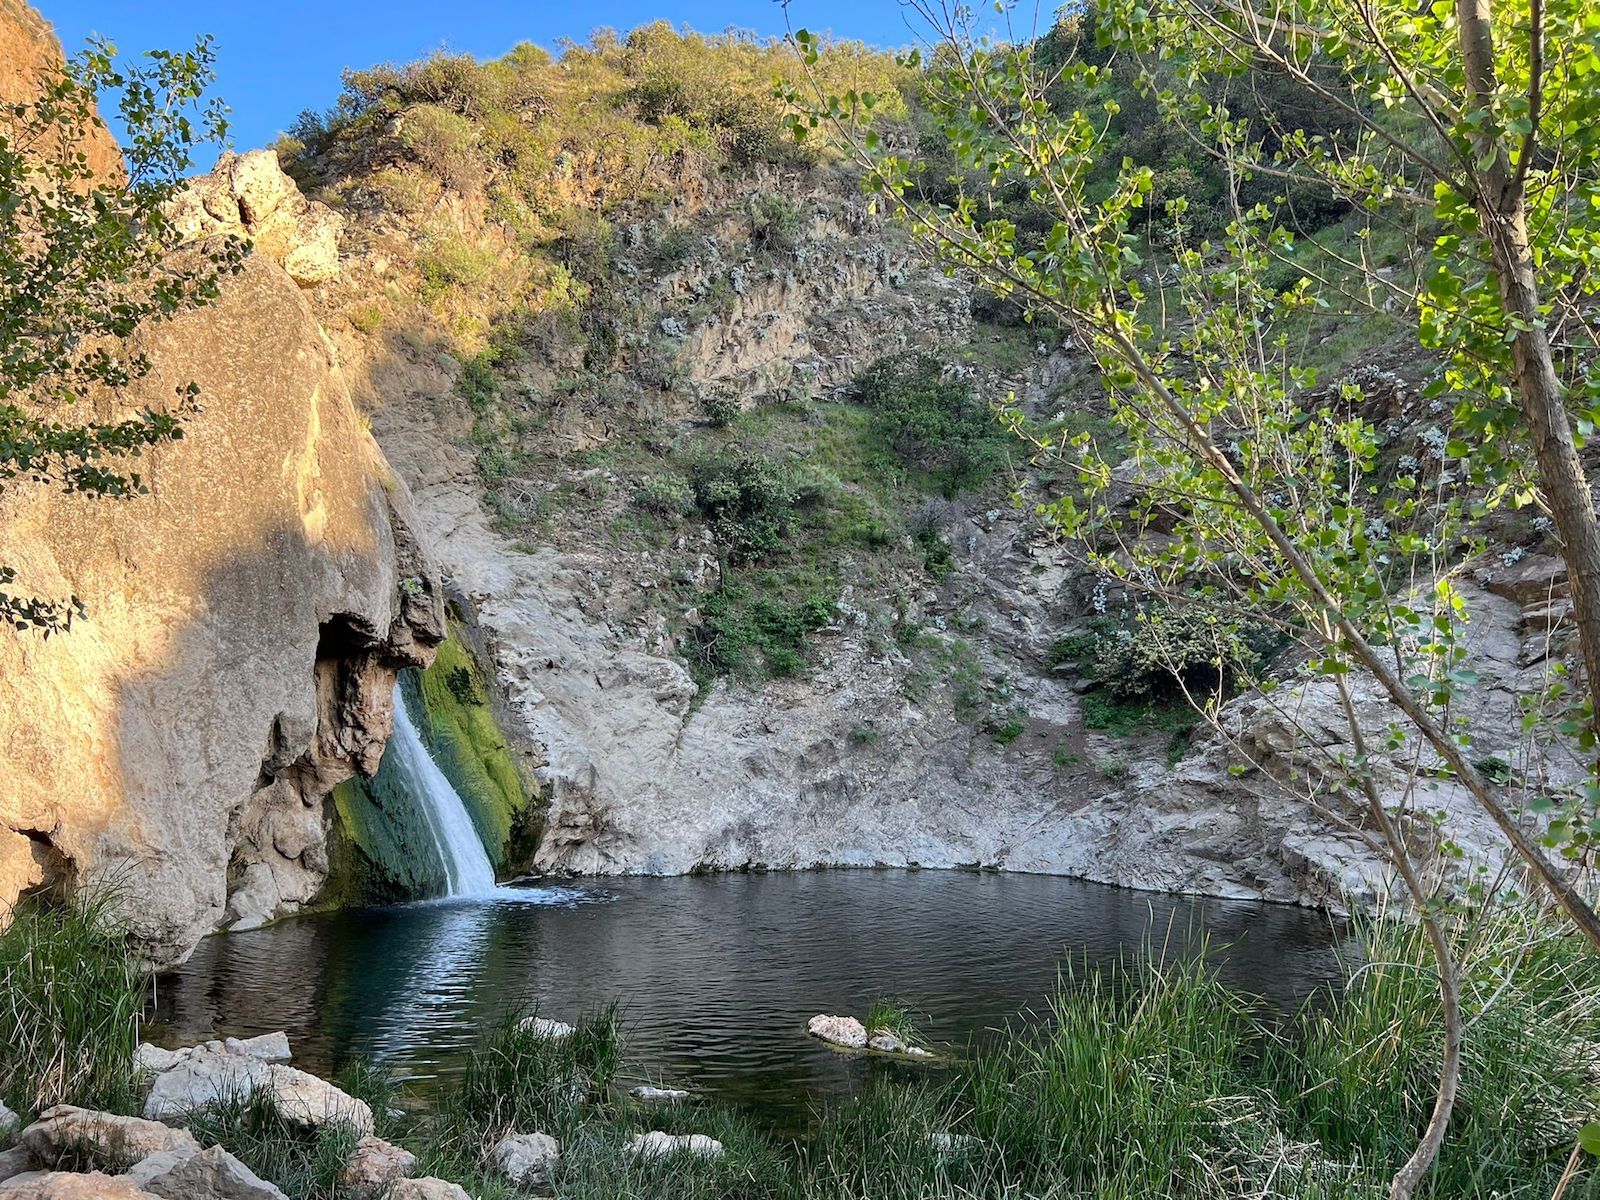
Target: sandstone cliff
[(245, 619)]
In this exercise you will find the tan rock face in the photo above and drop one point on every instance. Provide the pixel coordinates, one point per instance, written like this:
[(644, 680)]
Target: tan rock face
[(29, 53), (245, 623), (249, 196)]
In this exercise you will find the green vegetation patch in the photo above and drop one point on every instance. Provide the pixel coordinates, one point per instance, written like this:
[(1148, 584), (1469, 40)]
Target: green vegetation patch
[(73, 996), (466, 742)]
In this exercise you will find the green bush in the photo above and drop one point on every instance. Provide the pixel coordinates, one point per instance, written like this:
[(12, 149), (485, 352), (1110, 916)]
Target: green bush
[(932, 421), (752, 634), (775, 220), (1165, 648), (721, 407), (748, 500), (445, 144), (668, 494)]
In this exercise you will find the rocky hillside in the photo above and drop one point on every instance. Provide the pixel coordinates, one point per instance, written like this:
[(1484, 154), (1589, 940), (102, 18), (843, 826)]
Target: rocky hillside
[(244, 621), (741, 570), (704, 449)]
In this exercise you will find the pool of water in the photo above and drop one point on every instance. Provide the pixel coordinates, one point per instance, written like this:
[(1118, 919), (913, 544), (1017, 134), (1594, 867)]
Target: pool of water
[(716, 975)]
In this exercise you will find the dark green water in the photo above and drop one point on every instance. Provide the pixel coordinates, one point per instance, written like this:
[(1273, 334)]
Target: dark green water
[(716, 975)]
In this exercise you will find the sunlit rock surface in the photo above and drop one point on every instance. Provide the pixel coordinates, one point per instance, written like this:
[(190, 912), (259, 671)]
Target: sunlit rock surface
[(245, 621)]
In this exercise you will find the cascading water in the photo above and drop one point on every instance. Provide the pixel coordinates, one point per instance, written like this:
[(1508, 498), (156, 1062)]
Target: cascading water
[(466, 865)]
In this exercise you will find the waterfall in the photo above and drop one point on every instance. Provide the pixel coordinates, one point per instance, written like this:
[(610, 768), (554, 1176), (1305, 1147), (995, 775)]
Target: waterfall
[(467, 869)]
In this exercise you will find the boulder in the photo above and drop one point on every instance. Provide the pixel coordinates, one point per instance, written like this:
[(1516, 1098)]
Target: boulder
[(209, 1076), (247, 621), (427, 1188), (66, 1129), (527, 1158), (9, 1124), (838, 1031), (657, 1144), (373, 1165), (14, 1162), (1533, 578), (69, 1185), (666, 1095), (212, 1174), (249, 196), (886, 1041), (268, 1047)]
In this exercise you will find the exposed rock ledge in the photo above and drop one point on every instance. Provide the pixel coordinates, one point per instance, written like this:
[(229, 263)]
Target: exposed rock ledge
[(245, 623)]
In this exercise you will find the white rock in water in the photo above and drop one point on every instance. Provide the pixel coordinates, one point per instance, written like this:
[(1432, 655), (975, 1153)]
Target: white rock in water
[(886, 1041), (66, 1128), (657, 1144), (919, 1052), (646, 1092), (427, 1188), (212, 1174), (546, 1028), (526, 1158), (838, 1031)]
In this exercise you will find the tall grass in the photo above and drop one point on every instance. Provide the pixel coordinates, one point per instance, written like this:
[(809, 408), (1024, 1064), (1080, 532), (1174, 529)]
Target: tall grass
[(518, 1081), (71, 997), (304, 1162)]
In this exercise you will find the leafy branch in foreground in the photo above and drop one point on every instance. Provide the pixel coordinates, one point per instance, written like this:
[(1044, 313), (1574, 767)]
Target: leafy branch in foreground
[(87, 258), (1277, 498)]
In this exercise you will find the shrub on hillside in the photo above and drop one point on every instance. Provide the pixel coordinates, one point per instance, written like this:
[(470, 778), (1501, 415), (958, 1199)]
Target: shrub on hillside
[(445, 144), (668, 494), (748, 500), (774, 220), (721, 406), (1163, 650), (932, 421)]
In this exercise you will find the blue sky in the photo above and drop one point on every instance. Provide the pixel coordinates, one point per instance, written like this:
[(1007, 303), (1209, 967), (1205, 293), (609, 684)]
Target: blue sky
[(277, 58)]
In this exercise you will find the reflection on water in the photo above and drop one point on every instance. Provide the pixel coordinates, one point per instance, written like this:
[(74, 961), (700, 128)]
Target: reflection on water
[(716, 975)]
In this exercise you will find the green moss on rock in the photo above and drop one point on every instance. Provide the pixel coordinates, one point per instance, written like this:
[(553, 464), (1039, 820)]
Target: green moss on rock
[(458, 723)]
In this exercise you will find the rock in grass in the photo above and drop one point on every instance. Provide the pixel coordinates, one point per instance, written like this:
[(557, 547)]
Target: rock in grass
[(427, 1188), (110, 1139), (373, 1165), (68, 1185), (657, 1144), (268, 1047), (212, 1174), (14, 1161), (526, 1158), (209, 1076), (953, 1145), (664, 1095), (886, 1041), (838, 1031), (544, 1027)]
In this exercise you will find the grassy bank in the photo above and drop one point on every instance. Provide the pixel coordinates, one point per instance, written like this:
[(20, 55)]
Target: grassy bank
[(1154, 1081)]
